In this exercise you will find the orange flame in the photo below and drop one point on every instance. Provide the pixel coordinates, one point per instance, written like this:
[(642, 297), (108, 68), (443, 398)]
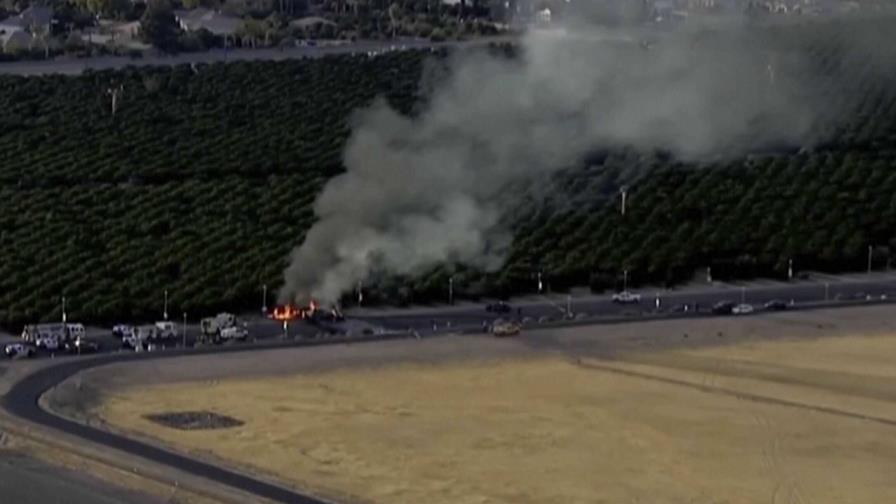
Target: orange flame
[(291, 312), (287, 312)]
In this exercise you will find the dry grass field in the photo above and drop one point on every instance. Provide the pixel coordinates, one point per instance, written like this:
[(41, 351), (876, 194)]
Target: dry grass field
[(810, 420)]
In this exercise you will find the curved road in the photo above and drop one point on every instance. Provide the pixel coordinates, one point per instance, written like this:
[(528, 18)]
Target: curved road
[(22, 398), (22, 401)]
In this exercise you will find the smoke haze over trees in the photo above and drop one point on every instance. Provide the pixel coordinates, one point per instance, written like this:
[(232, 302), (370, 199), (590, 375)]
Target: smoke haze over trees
[(430, 189)]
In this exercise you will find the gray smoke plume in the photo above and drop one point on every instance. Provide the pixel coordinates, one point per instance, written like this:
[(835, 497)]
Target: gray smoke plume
[(430, 189)]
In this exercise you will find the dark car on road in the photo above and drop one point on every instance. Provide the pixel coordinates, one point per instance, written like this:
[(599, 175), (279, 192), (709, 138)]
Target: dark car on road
[(776, 305), (723, 308), (499, 307), (80, 346)]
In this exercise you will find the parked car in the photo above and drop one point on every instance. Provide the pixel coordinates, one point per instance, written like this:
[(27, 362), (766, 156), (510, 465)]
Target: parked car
[(776, 305), (723, 308), (48, 342), (626, 297), (81, 345), (742, 309), (122, 330), (499, 307), (18, 350)]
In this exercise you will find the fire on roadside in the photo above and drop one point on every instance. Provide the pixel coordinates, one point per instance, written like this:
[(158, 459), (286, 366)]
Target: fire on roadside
[(292, 312)]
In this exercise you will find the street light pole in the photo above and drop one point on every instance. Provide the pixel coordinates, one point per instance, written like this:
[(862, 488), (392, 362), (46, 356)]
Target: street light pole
[(183, 331), (790, 269), (165, 310), (360, 294), (451, 290), (540, 285), (625, 281), (264, 298), (63, 309)]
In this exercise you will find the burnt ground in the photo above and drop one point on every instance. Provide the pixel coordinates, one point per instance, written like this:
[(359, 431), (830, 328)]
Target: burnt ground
[(194, 420)]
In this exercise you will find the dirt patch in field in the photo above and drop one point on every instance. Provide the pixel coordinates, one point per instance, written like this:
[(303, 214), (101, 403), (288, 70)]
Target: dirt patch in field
[(194, 420)]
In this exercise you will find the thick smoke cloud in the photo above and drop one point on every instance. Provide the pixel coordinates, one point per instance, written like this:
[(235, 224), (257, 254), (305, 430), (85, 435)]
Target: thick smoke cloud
[(430, 189)]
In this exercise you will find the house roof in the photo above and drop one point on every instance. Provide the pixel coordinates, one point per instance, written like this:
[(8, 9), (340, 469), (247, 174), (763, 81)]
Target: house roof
[(37, 15), (214, 22), (16, 37), (12, 23), (310, 21)]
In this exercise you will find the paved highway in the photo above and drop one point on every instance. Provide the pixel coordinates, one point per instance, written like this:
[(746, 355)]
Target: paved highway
[(24, 480), (594, 309), (73, 66), (22, 401), (22, 398)]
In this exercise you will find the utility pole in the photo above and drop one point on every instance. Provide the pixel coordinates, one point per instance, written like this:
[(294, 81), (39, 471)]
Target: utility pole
[(623, 192), (360, 294), (709, 274), (63, 310), (540, 285), (115, 93), (625, 281), (451, 290), (165, 310), (264, 298), (870, 253), (183, 331), (790, 269)]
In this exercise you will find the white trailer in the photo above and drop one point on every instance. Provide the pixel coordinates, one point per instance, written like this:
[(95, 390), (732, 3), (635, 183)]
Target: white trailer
[(165, 330), (58, 331), (222, 327)]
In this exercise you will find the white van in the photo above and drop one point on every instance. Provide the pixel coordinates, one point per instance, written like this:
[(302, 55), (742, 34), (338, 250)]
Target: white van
[(76, 331)]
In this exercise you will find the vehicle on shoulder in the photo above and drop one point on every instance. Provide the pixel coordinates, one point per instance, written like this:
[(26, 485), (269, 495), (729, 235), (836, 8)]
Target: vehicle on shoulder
[(75, 331), (742, 309), (723, 308), (49, 342), (81, 345), (499, 307), (165, 330), (776, 305), (626, 297), (121, 331), (503, 329), (18, 351)]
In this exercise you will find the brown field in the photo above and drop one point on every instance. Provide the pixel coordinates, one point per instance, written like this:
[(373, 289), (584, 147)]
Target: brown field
[(631, 414)]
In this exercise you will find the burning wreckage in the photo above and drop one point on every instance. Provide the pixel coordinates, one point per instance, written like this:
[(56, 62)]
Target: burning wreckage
[(312, 314)]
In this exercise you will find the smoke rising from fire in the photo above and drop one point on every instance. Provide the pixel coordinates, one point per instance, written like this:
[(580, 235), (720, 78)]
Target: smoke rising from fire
[(431, 189)]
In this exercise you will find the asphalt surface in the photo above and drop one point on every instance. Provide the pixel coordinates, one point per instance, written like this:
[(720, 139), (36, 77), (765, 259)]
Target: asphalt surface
[(595, 309), (22, 401), (74, 66), (26, 480), (22, 398)]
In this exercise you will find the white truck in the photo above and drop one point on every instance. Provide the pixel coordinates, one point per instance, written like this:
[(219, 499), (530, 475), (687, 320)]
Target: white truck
[(222, 327), (147, 337), (501, 328), (52, 336)]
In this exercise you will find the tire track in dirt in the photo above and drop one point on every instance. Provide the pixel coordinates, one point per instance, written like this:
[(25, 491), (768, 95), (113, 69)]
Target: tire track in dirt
[(711, 389)]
